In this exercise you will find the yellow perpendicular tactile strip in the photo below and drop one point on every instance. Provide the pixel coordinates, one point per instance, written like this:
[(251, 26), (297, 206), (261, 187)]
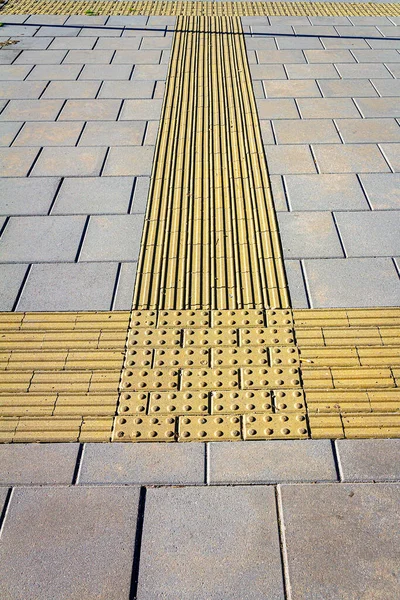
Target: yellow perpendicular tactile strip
[(127, 7), (210, 238)]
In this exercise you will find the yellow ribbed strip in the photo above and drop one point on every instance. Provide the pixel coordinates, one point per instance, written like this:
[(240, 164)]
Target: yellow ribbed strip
[(170, 8), (210, 238)]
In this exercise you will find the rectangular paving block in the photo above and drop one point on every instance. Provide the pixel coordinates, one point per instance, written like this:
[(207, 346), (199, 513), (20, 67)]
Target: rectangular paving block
[(141, 110), (11, 277), (31, 43), (280, 56), (309, 235), (41, 239), (55, 31), (369, 460), (303, 43), (26, 464), (325, 192), (349, 158), (72, 89), (112, 238), (8, 56), (129, 160), (296, 284), (150, 72), (272, 461), (137, 57), (368, 130), (92, 57), (379, 107), (140, 195), (93, 195), (277, 109), (327, 108), (304, 131), (291, 88), (72, 43), (106, 72), (69, 286), (16, 162), (341, 540), (54, 72), (127, 89), (122, 43), (41, 57), (287, 158), (192, 540), (329, 56), (50, 532), (31, 110), (125, 286), (387, 87), (376, 56), (267, 72), (352, 282), (347, 88), (8, 132), (334, 43), (372, 233), (313, 71), (23, 90), (392, 155), (90, 110), (382, 190), (72, 162), (363, 71), (20, 196), (49, 134), (113, 133), (154, 464)]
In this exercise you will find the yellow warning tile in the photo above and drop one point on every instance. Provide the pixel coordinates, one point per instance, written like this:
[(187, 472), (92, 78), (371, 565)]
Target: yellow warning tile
[(362, 378), (48, 429), (19, 405), (85, 404), (154, 338), (139, 357), (289, 400), (284, 356), (352, 336), (150, 379), (385, 401), (241, 401), (316, 378), (179, 403), (259, 336), (326, 426), (144, 429), (184, 318), (143, 318), (269, 378), (309, 337), (208, 379), (329, 357), (238, 318), (386, 356), (182, 357), (275, 426), (373, 425), (7, 429), (202, 338), (97, 429), (246, 355), (133, 403), (211, 428), (337, 401)]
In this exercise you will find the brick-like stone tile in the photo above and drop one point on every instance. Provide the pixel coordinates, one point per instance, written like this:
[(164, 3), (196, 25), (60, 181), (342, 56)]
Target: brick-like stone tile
[(315, 30), (37, 463), (190, 532), (266, 132), (16, 162), (70, 162), (274, 108), (327, 108), (90, 110), (341, 540), (313, 71), (46, 19), (41, 239), (263, 43), (376, 56), (141, 110), (372, 233), (292, 42), (151, 133), (280, 56), (363, 71), (383, 190), (150, 72), (125, 286), (304, 88), (156, 43), (362, 32), (106, 72), (379, 107), (368, 130), (21, 196), (72, 89), (325, 192), (41, 57), (347, 88), (113, 133), (140, 195), (392, 154), (278, 193), (289, 159), (31, 43), (369, 460), (31, 110), (309, 235), (127, 89), (123, 43), (72, 43), (93, 195), (21, 90), (129, 160), (54, 72), (296, 284), (8, 56), (49, 134), (92, 57), (112, 238), (349, 43), (100, 32), (305, 131), (8, 131), (387, 87), (349, 158), (50, 532), (11, 277), (267, 72), (137, 57), (329, 56), (173, 464), (86, 20), (49, 31)]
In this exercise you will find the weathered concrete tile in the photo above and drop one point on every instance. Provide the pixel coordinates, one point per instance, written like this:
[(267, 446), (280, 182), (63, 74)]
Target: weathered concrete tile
[(72, 43), (159, 89), (280, 56), (151, 133), (156, 43), (127, 89), (8, 56), (327, 108), (296, 284), (272, 461), (376, 56), (21, 90), (384, 44), (19, 30), (305, 131), (387, 87), (41, 57), (20, 196), (329, 56), (325, 192), (16, 162), (392, 155), (278, 193), (141, 110), (368, 130), (161, 21), (137, 57), (69, 286), (341, 540), (8, 131), (172, 464), (129, 160), (266, 132), (86, 20), (72, 89), (54, 72), (123, 43), (369, 21), (49, 134), (53, 531), (315, 30), (37, 463), (90, 57), (272, 108), (112, 238), (125, 286), (369, 460), (363, 32), (267, 72), (349, 158), (30, 43), (140, 195), (201, 527), (41, 239), (313, 71), (309, 235), (262, 43), (352, 282), (100, 32), (383, 190), (363, 71), (46, 19), (131, 21), (379, 107), (304, 88), (106, 72), (113, 133), (345, 42), (93, 195), (394, 68), (49, 31), (70, 162), (294, 42), (289, 159), (11, 277), (372, 233), (150, 72), (31, 110), (90, 110), (329, 21), (389, 31)]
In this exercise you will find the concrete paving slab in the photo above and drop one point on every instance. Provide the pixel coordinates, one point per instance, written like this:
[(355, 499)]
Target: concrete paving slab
[(369, 460), (267, 72), (55, 73), (272, 461), (191, 543), (26, 464), (379, 107), (296, 283), (277, 109), (303, 43), (129, 160), (90, 110), (23, 90), (373, 233), (347, 88), (387, 87), (363, 71), (41, 57), (114, 133), (127, 89), (72, 89), (286, 159), (8, 131), (125, 286), (8, 56), (309, 235), (112, 238), (313, 71), (31, 110), (141, 110), (17, 162), (368, 130), (72, 43), (69, 162), (392, 155), (48, 552), (92, 57), (349, 158), (137, 57), (291, 88), (150, 72), (143, 464), (20, 196), (106, 72), (49, 134), (327, 108), (278, 193), (382, 190), (140, 195), (123, 43), (12, 277), (325, 192), (93, 195), (277, 56), (342, 541), (329, 56), (305, 131)]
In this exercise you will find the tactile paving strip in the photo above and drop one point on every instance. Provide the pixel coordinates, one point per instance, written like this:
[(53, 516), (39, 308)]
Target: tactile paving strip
[(128, 7)]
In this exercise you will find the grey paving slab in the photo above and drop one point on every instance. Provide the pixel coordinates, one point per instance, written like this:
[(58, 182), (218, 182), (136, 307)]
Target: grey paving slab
[(307, 131), (72, 43), (67, 542), (72, 162), (309, 235), (267, 72), (379, 107), (336, 43), (106, 72), (392, 155), (327, 108), (41, 57), (273, 108), (342, 541), (192, 539), (363, 71), (266, 131), (22, 90), (141, 110), (57, 31), (349, 158), (31, 43), (152, 72), (125, 286), (16, 162), (262, 43), (291, 88), (100, 32), (387, 87), (19, 30), (37, 463), (90, 110), (127, 89), (278, 193), (312, 71), (272, 461), (8, 131), (363, 32), (49, 134), (86, 20), (137, 57), (352, 282), (329, 56), (114, 133), (8, 56), (280, 56), (382, 190), (159, 89), (289, 158), (348, 88), (93, 195), (129, 160), (41, 239), (151, 133), (69, 286), (368, 130), (315, 30), (46, 19), (21, 196), (112, 238), (376, 56), (172, 464), (294, 42), (372, 233), (154, 43), (325, 192), (369, 460), (11, 278), (139, 203), (384, 44), (72, 89), (394, 68), (296, 284), (31, 110), (82, 57), (123, 43), (54, 72)]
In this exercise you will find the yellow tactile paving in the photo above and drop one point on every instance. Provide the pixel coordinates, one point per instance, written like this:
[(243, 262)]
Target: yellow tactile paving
[(128, 7)]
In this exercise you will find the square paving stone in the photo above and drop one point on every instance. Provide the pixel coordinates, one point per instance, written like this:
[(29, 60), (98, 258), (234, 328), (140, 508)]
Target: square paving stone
[(37, 463), (112, 238), (289, 159), (69, 542), (93, 195), (306, 131), (141, 110), (8, 131), (104, 72), (54, 72), (31, 110), (383, 190), (311, 71), (40, 57), (73, 162), (392, 155), (296, 284), (379, 107), (347, 88), (277, 109), (193, 538), (125, 286), (171, 464), (368, 130), (129, 160), (309, 235), (271, 461), (22, 90), (352, 282), (369, 460), (341, 540), (327, 108), (11, 278), (114, 133), (49, 134), (372, 233), (127, 89), (16, 162), (41, 239), (72, 89), (90, 110), (89, 57), (291, 88), (325, 192), (363, 71), (69, 286), (349, 158), (21, 196)]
